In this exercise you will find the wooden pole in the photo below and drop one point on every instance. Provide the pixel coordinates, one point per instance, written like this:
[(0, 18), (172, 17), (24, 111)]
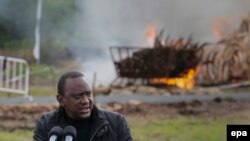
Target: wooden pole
[(93, 83)]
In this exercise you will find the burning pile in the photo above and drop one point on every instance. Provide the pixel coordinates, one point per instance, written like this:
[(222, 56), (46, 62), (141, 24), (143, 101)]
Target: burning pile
[(182, 63), (169, 59), (228, 60)]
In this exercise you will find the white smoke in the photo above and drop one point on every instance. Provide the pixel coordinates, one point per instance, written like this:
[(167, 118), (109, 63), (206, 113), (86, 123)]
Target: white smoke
[(102, 23), (108, 21), (117, 22)]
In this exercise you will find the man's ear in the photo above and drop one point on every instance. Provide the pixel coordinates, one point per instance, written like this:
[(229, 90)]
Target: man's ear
[(60, 99)]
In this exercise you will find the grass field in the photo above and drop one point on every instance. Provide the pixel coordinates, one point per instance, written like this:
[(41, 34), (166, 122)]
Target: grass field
[(160, 128), (178, 129)]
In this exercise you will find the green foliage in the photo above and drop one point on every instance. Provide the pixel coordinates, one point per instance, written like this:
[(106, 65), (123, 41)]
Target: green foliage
[(17, 45), (53, 52), (17, 25), (43, 75), (18, 49), (7, 31), (57, 17), (18, 18)]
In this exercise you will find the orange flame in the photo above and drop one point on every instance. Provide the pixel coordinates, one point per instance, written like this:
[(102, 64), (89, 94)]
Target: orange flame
[(218, 25), (150, 33), (177, 43), (186, 81)]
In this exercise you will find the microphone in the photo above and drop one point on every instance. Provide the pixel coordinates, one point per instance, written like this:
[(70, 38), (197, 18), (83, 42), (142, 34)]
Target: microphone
[(55, 133), (69, 133)]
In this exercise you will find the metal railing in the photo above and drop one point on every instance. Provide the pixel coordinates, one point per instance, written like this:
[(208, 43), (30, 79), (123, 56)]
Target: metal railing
[(14, 76)]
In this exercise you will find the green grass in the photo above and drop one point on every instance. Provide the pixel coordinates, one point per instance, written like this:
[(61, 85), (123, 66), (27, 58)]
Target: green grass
[(43, 79), (35, 91), (44, 91), (18, 135), (180, 128), (243, 89), (43, 75)]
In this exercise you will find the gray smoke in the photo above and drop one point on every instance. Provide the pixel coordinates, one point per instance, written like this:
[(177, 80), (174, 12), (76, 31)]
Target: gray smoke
[(102, 23), (108, 22), (122, 22)]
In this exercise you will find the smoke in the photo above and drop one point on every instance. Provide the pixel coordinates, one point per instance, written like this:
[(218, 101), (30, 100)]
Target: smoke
[(118, 22), (110, 22), (103, 23)]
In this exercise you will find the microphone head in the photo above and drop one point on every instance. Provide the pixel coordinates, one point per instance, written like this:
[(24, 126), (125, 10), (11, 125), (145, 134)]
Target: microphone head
[(56, 130), (69, 130)]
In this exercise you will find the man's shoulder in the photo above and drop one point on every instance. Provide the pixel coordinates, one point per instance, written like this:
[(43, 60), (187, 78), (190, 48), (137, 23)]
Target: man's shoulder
[(50, 114), (105, 111), (115, 119), (46, 117), (109, 115)]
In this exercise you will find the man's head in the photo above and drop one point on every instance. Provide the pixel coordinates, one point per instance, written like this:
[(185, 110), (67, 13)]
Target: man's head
[(75, 95)]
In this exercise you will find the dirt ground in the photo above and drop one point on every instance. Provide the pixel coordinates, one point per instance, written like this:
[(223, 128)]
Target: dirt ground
[(14, 117)]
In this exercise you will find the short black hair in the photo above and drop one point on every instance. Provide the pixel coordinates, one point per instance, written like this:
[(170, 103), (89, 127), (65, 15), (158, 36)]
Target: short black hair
[(62, 79)]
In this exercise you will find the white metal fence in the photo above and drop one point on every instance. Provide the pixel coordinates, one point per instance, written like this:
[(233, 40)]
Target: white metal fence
[(14, 76)]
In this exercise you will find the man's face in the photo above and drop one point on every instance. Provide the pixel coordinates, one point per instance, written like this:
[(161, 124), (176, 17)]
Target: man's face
[(77, 98)]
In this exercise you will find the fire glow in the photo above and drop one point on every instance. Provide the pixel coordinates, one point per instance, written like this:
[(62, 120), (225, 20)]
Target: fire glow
[(218, 27), (186, 81), (150, 33)]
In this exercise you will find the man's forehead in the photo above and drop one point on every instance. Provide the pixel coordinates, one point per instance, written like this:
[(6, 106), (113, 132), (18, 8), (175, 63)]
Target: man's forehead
[(77, 85), (85, 79), (76, 80)]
